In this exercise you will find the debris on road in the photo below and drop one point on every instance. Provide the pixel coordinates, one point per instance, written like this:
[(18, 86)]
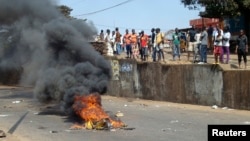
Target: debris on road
[(4, 115), (128, 128), (214, 107), (119, 114), (53, 131), (247, 122), (2, 134), (225, 108), (174, 121), (17, 101)]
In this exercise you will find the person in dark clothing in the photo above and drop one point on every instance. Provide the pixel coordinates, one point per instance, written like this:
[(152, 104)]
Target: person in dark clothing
[(101, 35), (210, 37), (242, 48), (153, 44)]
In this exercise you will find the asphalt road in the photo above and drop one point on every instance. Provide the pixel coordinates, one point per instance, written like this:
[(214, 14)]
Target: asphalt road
[(22, 118)]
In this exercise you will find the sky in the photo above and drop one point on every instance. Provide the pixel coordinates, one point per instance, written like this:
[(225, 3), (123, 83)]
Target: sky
[(135, 14)]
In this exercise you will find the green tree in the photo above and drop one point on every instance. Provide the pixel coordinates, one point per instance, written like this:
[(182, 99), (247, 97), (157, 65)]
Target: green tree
[(219, 8), (222, 9)]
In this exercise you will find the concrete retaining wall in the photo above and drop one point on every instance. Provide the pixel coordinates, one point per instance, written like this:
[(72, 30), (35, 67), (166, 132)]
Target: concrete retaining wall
[(193, 84)]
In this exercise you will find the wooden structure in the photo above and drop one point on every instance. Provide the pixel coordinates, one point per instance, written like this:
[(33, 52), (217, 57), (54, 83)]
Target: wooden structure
[(198, 23)]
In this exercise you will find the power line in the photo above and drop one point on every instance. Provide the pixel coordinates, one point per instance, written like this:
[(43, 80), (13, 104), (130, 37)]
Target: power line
[(91, 13)]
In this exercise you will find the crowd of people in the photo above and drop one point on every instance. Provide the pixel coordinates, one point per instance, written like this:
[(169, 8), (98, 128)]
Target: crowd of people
[(219, 40), (142, 46), (136, 45)]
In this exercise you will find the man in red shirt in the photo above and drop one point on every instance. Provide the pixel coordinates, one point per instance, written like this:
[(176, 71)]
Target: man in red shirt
[(127, 40), (144, 46)]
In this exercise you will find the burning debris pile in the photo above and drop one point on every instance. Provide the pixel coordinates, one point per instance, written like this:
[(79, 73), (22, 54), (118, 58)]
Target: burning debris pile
[(55, 56), (90, 109)]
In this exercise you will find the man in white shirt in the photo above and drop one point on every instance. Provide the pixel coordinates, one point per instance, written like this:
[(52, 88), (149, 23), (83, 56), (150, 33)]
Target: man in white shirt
[(113, 44), (225, 45), (107, 39)]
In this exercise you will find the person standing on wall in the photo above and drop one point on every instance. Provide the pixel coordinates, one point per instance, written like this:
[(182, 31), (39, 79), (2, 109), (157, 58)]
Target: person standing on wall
[(107, 39), (225, 45), (217, 46), (191, 42), (153, 44), (217, 28), (113, 42), (127, 40), (144, 46), (242, 48), (176, 44), (210, 38), (101, 36), (204, 46), (139, 43), (159, 39), (118, 41), (134, 42)]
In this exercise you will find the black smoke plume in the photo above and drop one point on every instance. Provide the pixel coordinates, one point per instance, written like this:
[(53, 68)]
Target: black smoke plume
[(52, 50)]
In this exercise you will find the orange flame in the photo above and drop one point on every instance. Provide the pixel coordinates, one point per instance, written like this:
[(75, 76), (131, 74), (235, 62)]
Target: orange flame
[(89, 108)]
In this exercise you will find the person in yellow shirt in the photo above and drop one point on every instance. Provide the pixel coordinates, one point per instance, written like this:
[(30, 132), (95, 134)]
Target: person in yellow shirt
[(159, 43)]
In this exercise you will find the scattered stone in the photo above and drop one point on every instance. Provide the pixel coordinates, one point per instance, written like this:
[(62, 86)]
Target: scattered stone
[(16, 102), (41, 127), (144, 105), (2, 134), (119, 114), (128, 128), (112, 130), (174, 121), (167, 129), (157, 106), (214, 107), (247, 122), (53, 131), (225, 108), (3, 115)]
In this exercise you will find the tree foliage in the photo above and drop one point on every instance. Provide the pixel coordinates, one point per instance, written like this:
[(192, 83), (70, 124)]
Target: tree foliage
[(219, 8)]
